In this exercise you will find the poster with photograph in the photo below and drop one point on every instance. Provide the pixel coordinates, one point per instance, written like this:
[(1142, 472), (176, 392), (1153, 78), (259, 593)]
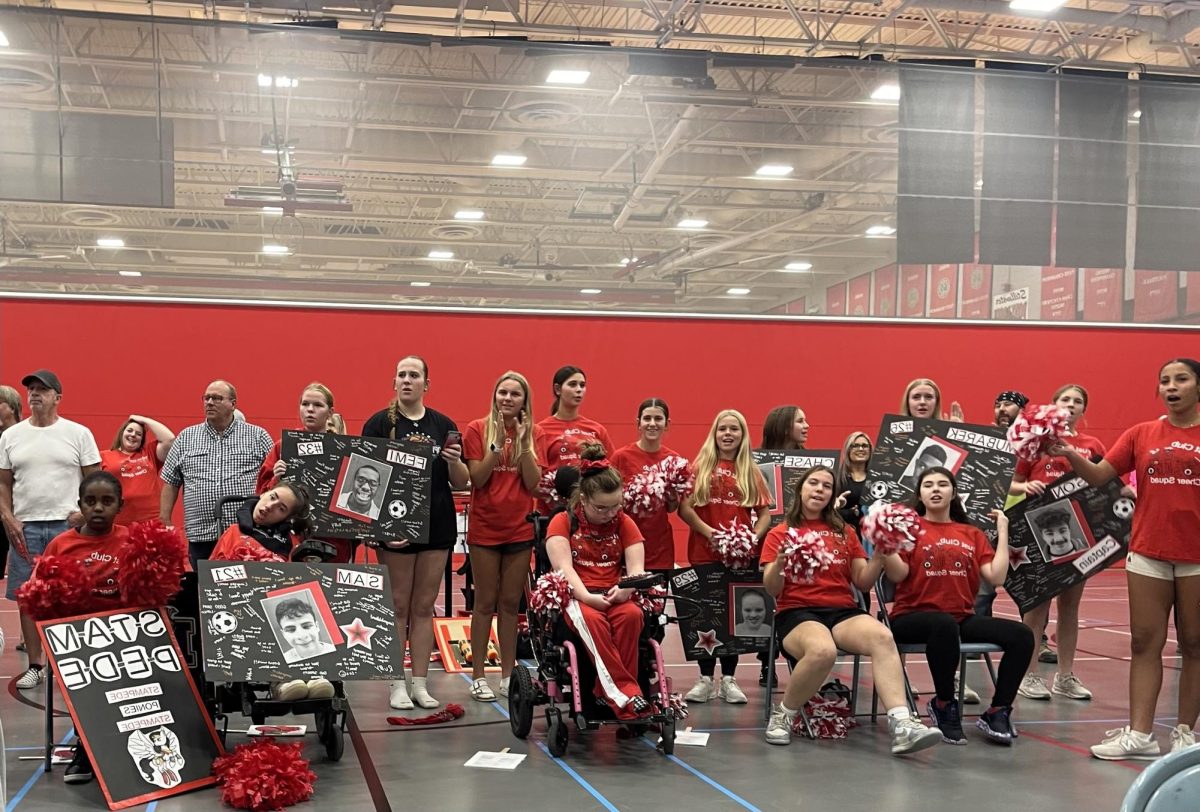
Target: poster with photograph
[(273, 622), (735, 611), (1063, 537), (133, 703), (453, 638), (979, 456), (782, 469), (363, 488)]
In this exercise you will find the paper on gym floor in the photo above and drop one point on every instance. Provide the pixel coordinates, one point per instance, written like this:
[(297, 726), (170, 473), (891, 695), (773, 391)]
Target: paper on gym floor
[(503, 760), (691, 739)]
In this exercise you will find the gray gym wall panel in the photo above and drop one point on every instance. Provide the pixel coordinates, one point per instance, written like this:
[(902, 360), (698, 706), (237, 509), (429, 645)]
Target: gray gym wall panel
[(1168, 217), (935, 209), (1018, 170), (1093, 174)]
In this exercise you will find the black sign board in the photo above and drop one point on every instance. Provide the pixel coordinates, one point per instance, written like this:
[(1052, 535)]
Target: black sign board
[(979, 456), (735, 611), (782, 469), (1063, 537), (363, 488), (273, 622), (134, 704)]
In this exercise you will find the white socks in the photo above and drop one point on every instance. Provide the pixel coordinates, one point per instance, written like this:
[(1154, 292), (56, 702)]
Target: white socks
[(898, 714), (398, 697), (420, 695)]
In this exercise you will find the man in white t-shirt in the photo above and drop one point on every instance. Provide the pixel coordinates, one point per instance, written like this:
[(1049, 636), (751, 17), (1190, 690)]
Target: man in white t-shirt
[(42, 461)]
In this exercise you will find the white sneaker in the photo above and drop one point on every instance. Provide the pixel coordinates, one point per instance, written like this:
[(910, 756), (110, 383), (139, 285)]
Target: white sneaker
[(1182, 737), (730, 692), (779, 728), (320, 688), (702, 691), (1068, 685), (34, 676), (290, 691), (1124, 743), (909, 736), (1034, 687), (969, 695), (398, 698), (503, 686)]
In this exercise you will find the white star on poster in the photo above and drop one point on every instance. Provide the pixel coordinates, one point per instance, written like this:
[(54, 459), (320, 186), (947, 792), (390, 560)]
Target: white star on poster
[(1016, 557), (358, 634), (708, 641)]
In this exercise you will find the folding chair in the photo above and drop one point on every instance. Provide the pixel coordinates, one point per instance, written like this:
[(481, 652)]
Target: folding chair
[(884, 594), (1170, 784)]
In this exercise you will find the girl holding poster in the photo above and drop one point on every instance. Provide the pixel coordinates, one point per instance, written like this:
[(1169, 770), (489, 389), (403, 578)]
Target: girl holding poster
[(654, 418), (730, 490), (565, 431)]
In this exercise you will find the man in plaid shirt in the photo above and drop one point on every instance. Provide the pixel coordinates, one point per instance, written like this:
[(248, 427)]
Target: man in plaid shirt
[(210, 461)]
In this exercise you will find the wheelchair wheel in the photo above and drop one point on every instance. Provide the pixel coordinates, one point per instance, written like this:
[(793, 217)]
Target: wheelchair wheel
[(557, 734), (668, 737), (330, 734), (521, 697)]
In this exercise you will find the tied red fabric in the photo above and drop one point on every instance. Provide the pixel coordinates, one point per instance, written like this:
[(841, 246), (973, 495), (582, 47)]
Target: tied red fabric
[(60, 587), (830, 718), (1037, 428), (804, 555), (892, 528), (447, 714), (552, 591), (152, 564), (736, 544), (264, 775), (587, 467)]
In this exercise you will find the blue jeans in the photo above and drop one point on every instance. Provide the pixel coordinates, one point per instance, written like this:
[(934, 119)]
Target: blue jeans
[(37, 536)]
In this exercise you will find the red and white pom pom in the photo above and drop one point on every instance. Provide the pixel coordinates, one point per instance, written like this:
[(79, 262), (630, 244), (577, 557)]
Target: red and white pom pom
[(1037, 428), (678, 477), (829, 718), (552, 591), (653, 599), (152, 564), (646, 493), (805, 555), (677, 706), (736, 544), (892, 528), (545, 490), (264, 775), (60, 587)]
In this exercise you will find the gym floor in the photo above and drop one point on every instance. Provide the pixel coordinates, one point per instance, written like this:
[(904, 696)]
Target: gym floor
[(422, 766)]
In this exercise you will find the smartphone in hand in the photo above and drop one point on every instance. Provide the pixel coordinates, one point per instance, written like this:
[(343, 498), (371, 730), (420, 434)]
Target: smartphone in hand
[(453, 438)]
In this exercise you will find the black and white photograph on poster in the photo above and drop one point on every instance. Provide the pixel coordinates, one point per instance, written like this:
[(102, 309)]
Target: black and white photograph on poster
[(134, 704), (1063, 537), (781, 469), (710, 633), (271, 622), (979, 456), (753, 609), (364, 488)]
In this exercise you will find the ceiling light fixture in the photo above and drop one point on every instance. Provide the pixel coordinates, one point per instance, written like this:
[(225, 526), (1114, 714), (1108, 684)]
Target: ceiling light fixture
[(264, 80), (129, 273), (693, 223), (468, 214), (272, 209), (798, 267), (880, 231), (508, 159), (110, 242), (1035, 5), (627, 261), (774, 170), (887, 92), (441, 255), (738, 291), (590, 291), (3, 40), (419, 284), (276, 249), (562, 76)]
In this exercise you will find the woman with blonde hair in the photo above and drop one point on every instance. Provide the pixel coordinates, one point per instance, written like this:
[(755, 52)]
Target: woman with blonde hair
[(922, 398)]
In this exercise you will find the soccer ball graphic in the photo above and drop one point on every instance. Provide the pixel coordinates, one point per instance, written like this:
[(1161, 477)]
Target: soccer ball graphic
[(1123, 508), (879, 490), (397, 509), (222, 623)]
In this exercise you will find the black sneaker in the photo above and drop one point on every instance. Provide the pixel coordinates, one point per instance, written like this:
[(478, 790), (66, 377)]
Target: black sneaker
[(762, 677), (997, 726), (948, 719), (79, 771)]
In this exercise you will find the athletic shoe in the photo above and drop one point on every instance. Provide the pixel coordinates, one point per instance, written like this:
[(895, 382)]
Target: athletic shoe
[(291, 691), (1124, 743), (779, 728), (21, 646), (730, 692), (948, 719), (909, 736), (1069, 685), (1047, 654), (320, 688), (969, 695), (398, 696), (34, 676), (702, 691), (79, 771), (1034, 687), (1182, 737), (997, 726), (503, 686), (762, 677)]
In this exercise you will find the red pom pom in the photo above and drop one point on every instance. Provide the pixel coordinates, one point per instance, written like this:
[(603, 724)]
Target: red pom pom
[(805, 554), (447, 714), (653, 599), (1036, 429), (553, 591), (254, 551), (264, 775), (677, 706), (152, 564), (830, 718), (736, 544), (646, 493), (545, 490), (892, 528), (60, 587), (679, 478)]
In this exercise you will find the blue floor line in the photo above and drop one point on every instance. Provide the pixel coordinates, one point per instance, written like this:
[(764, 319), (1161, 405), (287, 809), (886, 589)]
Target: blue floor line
[(33, 779), (728, 793)]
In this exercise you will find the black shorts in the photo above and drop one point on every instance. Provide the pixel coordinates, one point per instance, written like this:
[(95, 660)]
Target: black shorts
[(413, 549), (789, 619), (508, 548)]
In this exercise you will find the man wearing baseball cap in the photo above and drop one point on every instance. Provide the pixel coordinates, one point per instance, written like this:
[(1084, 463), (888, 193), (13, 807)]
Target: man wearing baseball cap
[(42, 461)]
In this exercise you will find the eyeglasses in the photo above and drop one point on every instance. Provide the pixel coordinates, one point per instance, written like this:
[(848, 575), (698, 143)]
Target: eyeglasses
[(213, 398), (604, 509), (857, 446)]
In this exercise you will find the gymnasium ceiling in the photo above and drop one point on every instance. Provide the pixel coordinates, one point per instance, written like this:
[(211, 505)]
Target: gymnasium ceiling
[(390, 127)]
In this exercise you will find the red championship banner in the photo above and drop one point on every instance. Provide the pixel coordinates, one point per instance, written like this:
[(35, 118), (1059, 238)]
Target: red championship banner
[(1155, 296), (835, 300), (1102, 294), (1058, 294), (1191, 304), (976, 292), (912, 290), (943, 291), (885, 291), (860, 295)]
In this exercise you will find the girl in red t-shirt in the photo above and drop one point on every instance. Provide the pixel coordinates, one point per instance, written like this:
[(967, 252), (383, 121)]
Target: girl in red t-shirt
[(501, 453), (136, 458), (654, 418), (565, 431), (936, 582), (1031, 479), (813, 620), (1163, 568), (606, 620), (729, 488)]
